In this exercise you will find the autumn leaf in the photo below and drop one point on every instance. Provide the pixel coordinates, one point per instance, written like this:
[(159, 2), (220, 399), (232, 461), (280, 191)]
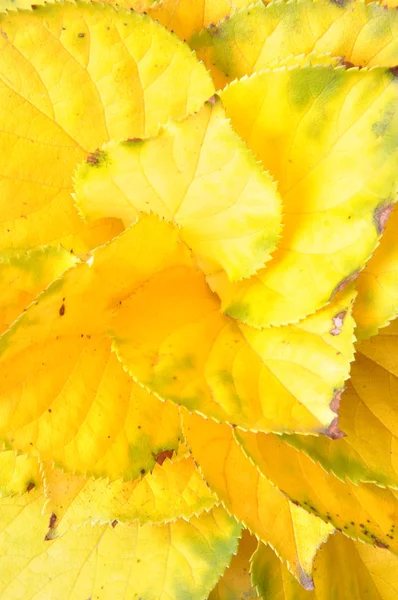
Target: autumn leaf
[(71, 78), (317, 130), (174, 489), (178, 560), (236, 582), (369, 452), (377, 285), (293, 533), (262, 34), (343, 569), (363, 512), (198, 174)]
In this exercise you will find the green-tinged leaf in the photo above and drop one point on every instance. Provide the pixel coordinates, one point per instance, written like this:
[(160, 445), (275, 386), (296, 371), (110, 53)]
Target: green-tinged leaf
[(176, 561), (260, 35), (186, 17), (377, 285), (363, 511), (193, 356), (72, 77), (13, 5), (367, 415), (236, 584), (294, 533), (343, 569), (198, 174), (23, 276), (329, 136), (18, 474), (173, 490)]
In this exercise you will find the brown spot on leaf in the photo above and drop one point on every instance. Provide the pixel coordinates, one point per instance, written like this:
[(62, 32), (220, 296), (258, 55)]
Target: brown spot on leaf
[(161, 456), (338, 321), (114, 523), (347, 63), (30, 487), (62, 310), (394, 70), (343, 283), (335, 403), (94, 157), (134, 139), (381, 216), (50, 535), (381, 544), (80, 35), (333, 431), (212, 100)]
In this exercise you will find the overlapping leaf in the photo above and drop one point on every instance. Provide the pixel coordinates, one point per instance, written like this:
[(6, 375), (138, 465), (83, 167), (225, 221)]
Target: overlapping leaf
[(24, 275), (368, 416), (343, 569), (174, 489), (71, 78), (179, 560), (377, 285), (18, 474), (186, 17), (262, 34), (329, 137), (194, 356), (365, 512), (199, 175), (236, 584), (292, 532)]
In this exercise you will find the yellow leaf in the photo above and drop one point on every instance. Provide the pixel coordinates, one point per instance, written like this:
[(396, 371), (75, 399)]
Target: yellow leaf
[(198, 174), (13, 5), (368, 417), (291, 531), (186, 17), (343, 569), (18, 474), (329, 138), (377, 285), (363, 511), (72, 77), (64, 396), (173, 490), (257, 36), (236, 584), (176, 561), (23, 276)]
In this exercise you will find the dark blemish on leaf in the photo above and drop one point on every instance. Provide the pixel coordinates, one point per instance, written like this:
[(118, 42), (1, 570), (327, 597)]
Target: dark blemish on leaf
[(134, 139), (394, 71), (343, 283), (335, 403), (51, 526), (49, 410), (381, 216), (306, 580), (62, 310), (338, 321), (295, 502), (30, 487), (352, 522), (143, 471), (346, 63), (212, 100), (381, 544), (94, 157), (333, 431), (80, 35), (161, 456), (5, 36), (52, 521), (367, 520), (114, 523)]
